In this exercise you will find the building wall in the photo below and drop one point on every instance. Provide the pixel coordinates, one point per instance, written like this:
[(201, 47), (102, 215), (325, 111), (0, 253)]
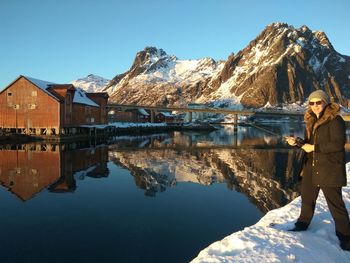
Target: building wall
[(101, 99), (23, 105), (84, 114), (66, 112), (128, 116)]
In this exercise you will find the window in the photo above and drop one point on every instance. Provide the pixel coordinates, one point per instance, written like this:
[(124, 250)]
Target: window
[(32, 106), (87, 110), (16, 106), (92, 120), (34, 93), (9, 94)]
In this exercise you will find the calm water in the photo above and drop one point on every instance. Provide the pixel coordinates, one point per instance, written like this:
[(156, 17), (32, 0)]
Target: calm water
[(156, 198)]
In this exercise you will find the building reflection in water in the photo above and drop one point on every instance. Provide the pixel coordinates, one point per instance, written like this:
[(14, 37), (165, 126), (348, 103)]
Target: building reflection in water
[(267, 176), (26, 170)]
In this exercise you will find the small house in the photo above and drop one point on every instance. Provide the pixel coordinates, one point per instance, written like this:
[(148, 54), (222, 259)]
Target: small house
[(129, 115), (164, 117)]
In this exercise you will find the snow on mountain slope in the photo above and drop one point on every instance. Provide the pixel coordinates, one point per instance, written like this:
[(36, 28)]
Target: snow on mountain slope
[(156, 78), (91, 83), (280, 67), (176, 71)]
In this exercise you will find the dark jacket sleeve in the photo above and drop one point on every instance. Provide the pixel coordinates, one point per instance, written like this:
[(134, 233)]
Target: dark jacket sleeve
[(337, 137)]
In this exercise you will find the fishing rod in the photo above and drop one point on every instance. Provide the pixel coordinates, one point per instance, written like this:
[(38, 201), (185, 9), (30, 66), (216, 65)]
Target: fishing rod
[(299, 141), (265, 130)]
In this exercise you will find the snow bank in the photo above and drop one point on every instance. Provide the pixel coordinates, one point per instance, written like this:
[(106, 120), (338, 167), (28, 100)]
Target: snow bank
[(126, 125), (269, 240), (134, 124)]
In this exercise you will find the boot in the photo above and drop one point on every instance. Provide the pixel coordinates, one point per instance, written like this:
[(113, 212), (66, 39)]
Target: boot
[(345, 244), (299, 226), (344, 241)]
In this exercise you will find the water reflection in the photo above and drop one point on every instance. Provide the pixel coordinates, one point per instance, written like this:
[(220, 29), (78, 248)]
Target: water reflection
[(149, 198), (26, 170), (142, 194), (261, 167)]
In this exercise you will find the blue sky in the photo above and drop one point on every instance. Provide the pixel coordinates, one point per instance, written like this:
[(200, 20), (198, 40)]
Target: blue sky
[(64, 40)]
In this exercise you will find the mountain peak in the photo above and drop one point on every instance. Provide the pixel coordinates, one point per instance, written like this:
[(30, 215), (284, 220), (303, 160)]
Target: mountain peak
[(278, 25), (148, 56), (91, 83), (281, 66), (153, 51), (304, 29)]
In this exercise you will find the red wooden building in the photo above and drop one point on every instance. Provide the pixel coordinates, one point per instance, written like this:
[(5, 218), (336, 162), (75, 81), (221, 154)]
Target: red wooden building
[(32, 106), (130, 115), (164, 117)]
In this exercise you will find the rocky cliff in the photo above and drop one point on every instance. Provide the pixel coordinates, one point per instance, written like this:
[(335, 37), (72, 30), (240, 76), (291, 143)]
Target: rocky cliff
[(279, 67), (283, 65)]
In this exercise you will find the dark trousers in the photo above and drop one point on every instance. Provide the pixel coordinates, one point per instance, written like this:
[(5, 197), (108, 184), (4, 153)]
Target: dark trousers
[(333, 195)]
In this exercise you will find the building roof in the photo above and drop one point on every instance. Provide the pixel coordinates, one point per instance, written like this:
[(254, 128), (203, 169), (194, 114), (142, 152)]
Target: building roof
[(43, 85), (98, 94), (143, 112), (79, 94), (166, 114), (80, 97)]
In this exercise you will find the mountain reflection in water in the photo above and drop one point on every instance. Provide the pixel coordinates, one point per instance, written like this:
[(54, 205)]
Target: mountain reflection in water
[(155, 198), (260, 167)]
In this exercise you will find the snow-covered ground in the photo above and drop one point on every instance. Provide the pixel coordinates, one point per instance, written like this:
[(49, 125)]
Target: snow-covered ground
[(269, 241), (125, 125)]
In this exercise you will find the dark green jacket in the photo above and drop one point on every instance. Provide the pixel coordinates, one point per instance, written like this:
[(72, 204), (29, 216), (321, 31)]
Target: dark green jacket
[(328, 165)]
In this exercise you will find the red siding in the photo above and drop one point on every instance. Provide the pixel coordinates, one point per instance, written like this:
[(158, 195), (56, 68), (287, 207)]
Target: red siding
[(84, 114), (35, 108), (101, 99)]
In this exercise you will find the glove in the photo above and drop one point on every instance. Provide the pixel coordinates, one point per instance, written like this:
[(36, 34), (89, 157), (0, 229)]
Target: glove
[(308, 147)]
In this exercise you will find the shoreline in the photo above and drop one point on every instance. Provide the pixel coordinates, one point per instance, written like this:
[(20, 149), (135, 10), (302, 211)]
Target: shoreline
[(106, 131), (269, 240)]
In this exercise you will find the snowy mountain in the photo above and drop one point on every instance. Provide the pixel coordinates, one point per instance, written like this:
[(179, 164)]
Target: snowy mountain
[(283, 65), (91, 83), (279, 67), (157, 78)]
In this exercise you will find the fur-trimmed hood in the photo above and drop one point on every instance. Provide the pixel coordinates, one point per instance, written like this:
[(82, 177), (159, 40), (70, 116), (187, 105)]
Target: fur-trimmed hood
[(312, 123)]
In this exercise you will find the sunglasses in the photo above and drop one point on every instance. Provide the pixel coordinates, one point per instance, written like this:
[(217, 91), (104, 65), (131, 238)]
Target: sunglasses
[(312, 103)]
